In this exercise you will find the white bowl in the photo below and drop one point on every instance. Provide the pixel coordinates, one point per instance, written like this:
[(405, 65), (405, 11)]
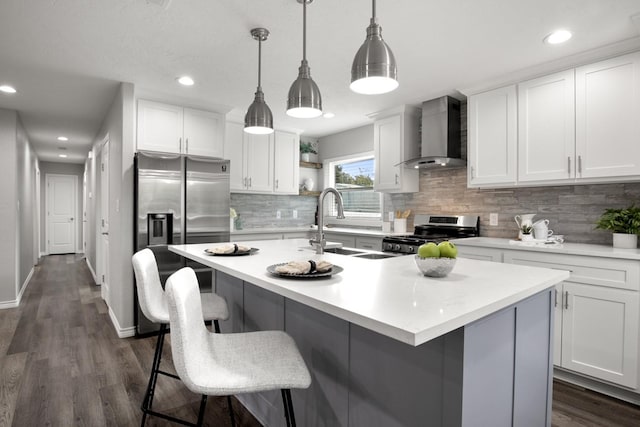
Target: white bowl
[(435, 267)]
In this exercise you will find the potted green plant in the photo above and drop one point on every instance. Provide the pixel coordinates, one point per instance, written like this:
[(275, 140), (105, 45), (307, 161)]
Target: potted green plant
[(306, 149), (625, 225), (525, 232)]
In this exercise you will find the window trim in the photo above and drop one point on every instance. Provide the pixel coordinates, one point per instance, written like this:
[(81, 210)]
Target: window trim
[(329, 180)]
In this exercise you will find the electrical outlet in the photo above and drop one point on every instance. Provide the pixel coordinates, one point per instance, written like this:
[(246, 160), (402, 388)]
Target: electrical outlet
[(278, 215), (295, 214), (391, 216), (493, 219)]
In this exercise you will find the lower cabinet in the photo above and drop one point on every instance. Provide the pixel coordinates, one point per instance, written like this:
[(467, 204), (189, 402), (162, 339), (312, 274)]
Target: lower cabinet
[(370, 243), (348, 241), (596, 314), (482, 254)]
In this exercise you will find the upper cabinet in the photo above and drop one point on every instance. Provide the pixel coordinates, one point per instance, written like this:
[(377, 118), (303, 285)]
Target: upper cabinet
[(396, 139), (174, 129), (265, 164), (608, 118), (546, 128), (492, 125), (576, 126)]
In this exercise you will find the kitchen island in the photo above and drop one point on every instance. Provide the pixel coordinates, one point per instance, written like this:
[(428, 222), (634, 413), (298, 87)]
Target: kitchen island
[(387, 346)]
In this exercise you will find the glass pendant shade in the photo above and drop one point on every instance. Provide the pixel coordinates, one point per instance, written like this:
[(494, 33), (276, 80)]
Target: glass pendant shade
[(374, 70), (304, 100), (259, 119)]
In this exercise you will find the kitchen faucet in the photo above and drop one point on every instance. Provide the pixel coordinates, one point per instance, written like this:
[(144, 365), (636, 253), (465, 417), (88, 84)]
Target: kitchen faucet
[(320, 241)]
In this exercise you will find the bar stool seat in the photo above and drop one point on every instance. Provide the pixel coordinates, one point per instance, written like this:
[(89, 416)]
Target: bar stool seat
[(226, 364), (154, 304)]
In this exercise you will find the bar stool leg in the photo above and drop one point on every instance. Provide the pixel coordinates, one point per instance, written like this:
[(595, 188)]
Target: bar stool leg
[(230, 406), (203, 404), (148, 397)]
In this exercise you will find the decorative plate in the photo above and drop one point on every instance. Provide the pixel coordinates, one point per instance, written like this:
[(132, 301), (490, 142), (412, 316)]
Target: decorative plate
[(334, 270), (249, 252)]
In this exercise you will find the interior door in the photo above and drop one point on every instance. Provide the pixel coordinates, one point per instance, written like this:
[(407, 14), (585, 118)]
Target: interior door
[(61, 212)]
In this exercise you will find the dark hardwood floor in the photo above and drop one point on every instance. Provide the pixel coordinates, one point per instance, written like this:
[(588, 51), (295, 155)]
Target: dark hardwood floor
[(62, 364)]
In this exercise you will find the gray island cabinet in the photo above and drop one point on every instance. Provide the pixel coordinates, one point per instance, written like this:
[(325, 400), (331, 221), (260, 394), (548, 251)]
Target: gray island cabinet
[(387, 346)]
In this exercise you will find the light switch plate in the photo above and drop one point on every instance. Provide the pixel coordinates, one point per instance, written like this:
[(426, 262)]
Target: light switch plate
[(278, 215), (295, 214), (493, 219)]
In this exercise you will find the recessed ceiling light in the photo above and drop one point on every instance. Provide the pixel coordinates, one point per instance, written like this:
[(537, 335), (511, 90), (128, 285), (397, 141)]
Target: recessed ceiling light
[(62, 155), (7, 89), (328, 115), (185, 81), (558, 36), (63, 138)]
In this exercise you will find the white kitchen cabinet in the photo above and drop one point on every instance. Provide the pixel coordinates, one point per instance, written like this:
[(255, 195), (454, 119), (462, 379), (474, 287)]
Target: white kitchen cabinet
[(596, 323), (607, 112), (492, 133), (600, 332), (287, 163), (369, 243), (395, 140), (234, 152), (546, 128), (348, 241), (175, 129), (258, 158), (482, 254), (265, 164)]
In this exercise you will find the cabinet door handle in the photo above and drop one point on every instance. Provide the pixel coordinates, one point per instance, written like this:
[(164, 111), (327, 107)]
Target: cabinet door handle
[(555, 304), (180, 145), (277, 183), (249, 182), (396, 179), (569, 165), (472, 172), (566, 300), (579, 164), (244, 182), (186, 145)]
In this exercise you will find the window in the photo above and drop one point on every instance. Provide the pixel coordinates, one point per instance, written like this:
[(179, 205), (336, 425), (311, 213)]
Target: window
[(353, 177)]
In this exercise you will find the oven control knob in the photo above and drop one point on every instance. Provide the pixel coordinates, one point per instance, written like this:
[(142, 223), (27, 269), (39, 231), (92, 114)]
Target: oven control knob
[(412, 249), (389, 246), (397, 248)]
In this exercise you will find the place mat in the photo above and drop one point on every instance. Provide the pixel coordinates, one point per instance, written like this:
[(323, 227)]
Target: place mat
[(249, 252)]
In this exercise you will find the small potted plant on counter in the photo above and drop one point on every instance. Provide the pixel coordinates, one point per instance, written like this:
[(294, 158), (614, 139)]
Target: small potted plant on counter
[(525, 233), (625, 224), (306, 149)]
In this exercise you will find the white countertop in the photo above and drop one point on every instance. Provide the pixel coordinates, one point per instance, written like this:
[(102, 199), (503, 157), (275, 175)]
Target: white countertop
[(564, 248), (389, 296)]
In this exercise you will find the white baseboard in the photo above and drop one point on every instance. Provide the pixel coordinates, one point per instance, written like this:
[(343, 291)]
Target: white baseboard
[(93, 273), (122, 332), (16, 302)]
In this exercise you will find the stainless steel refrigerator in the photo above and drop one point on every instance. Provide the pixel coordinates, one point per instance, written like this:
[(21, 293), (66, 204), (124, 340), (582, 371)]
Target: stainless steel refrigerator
[(178, 199)]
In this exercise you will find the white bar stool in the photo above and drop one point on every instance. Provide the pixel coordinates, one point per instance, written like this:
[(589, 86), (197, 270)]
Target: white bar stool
[(227, 364), (154, 305)]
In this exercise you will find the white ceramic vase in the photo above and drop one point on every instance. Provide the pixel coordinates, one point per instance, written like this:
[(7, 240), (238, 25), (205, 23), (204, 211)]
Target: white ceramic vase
[(305, 157), (625, 241)]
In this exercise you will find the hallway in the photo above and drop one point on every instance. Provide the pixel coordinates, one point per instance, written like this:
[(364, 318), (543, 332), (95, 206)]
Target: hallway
[(62, 364)]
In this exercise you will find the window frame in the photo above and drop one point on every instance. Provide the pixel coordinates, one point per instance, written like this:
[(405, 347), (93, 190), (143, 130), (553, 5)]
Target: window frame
[(328, 166)]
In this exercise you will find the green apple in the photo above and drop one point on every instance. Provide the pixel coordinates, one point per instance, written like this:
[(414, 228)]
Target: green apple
[(448, 249), (429, 250)]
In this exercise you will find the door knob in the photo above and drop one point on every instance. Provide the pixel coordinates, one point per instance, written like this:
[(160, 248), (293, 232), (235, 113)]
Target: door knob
[(70, 219)]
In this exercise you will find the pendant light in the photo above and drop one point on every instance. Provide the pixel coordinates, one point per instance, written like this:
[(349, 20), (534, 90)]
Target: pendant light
[(374, 69), (304, 99), (259, 119)]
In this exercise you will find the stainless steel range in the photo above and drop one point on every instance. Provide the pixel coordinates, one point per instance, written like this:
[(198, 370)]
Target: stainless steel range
[(433, 228)]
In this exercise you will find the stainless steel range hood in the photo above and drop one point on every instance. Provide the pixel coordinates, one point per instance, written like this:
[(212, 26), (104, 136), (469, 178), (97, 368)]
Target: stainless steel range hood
[(441, 144)]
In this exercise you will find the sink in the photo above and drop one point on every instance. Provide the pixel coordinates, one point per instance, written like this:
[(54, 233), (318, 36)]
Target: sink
[(374, 256), (343, 251)]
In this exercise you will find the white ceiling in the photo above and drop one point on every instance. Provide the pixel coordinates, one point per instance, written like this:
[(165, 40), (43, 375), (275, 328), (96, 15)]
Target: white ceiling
[(67, 57)]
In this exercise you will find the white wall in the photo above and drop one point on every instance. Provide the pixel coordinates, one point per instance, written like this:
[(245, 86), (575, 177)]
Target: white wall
[(352, 141), (17, 209), (119, 125)]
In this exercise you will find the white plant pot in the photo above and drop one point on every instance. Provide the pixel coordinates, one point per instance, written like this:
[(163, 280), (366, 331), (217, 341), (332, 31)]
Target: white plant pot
[(625, 241), (305, 157)]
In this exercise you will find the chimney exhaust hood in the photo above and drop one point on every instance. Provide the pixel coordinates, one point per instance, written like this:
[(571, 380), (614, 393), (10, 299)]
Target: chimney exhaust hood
[(441, 144)]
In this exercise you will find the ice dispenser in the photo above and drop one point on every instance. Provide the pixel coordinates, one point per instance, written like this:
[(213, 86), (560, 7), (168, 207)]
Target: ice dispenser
[(160, 228)]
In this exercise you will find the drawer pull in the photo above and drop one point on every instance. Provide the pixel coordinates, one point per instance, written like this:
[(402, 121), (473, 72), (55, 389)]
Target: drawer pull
[(555, 304), (566, 300)]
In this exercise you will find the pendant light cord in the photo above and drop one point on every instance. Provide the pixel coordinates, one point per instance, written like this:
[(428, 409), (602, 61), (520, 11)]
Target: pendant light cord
[(304, 30), (259, 63), (373, 7)]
